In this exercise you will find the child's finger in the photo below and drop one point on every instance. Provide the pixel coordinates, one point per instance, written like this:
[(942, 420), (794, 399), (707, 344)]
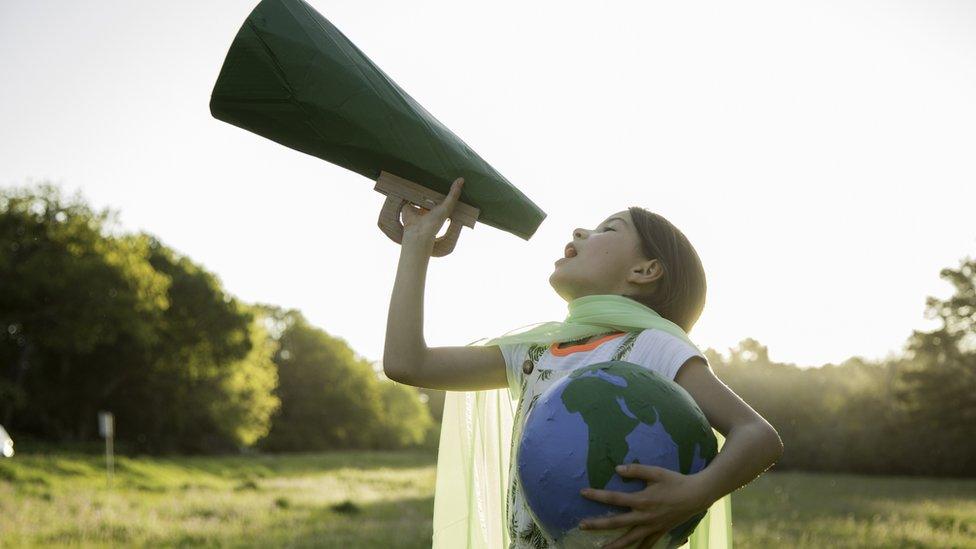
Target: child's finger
[(455, 192), (446, 207)]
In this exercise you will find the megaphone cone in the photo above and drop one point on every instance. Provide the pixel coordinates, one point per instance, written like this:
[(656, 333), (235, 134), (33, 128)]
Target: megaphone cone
[(293, 77)]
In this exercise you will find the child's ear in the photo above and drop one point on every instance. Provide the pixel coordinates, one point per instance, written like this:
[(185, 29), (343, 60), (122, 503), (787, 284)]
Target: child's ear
[(646, 272)]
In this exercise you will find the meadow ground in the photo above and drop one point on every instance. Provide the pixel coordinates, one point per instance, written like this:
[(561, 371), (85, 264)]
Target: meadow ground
[(385, 499)]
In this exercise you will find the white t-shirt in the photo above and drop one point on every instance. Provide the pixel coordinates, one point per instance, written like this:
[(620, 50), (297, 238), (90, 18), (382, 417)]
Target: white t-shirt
[(655, 349)]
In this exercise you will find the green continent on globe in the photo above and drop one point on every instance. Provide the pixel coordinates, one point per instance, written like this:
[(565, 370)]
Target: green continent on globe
[(648, 396)]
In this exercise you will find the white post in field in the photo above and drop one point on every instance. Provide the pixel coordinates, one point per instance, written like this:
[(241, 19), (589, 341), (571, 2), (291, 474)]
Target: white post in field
[(106, 428)]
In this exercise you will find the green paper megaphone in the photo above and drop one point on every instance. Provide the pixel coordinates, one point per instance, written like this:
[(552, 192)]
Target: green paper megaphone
[(292, 77)]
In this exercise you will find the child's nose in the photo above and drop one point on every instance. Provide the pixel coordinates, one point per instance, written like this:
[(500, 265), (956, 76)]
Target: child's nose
[(578, 233)]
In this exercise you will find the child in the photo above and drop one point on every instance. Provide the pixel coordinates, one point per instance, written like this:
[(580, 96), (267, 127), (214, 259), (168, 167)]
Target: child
[(635, 286)]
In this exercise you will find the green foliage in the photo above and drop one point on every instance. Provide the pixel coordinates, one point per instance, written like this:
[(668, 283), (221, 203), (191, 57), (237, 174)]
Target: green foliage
[(435, 402), (94, 320), (76, 306), (99, 321), (244, 414), (405, 421), (938, 389), (831, 418), (331, 398), (906, 415), (327, 395)]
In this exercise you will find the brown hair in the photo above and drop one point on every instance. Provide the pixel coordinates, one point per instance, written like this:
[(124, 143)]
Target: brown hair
[(680, 293)]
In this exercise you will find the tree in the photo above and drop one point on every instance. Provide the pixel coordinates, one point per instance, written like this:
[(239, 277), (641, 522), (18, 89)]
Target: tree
[(406, 420), (244, 414), (67, 294), (331, 398), (210, 360), (939, 387), (93, 321)]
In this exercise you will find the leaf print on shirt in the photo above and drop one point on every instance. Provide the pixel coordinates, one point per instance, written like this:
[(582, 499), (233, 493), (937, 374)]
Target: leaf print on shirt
[(535, 352), (536, 537), (531, 404), (625, 347), (513, 523), (544, 374)]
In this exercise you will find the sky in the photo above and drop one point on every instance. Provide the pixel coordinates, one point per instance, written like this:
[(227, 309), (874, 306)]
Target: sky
[(818, 155)]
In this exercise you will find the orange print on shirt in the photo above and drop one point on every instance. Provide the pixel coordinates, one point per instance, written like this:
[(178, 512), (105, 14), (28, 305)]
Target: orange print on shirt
[(588, 346)]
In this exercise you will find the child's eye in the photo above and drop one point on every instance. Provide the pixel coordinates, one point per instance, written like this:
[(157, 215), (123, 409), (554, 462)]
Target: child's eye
[(607, 229)]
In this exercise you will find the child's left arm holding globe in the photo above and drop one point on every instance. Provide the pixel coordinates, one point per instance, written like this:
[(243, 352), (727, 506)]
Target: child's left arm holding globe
[(751, 446)]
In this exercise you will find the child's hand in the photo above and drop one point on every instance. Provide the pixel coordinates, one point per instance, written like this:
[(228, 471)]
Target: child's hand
[(424, 224), (669, 499)]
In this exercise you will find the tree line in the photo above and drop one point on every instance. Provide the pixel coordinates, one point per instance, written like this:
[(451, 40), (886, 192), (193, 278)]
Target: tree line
[(93, 320), (912, 414)]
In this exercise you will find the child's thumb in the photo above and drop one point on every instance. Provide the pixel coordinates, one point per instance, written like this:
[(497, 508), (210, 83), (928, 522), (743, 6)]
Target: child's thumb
[(447, 206)]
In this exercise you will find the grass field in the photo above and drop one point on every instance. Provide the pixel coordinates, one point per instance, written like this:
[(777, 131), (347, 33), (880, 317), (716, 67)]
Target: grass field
[(385, 499)]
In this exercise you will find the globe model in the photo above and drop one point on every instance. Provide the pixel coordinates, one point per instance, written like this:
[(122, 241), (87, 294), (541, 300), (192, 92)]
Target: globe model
[(597, 417)]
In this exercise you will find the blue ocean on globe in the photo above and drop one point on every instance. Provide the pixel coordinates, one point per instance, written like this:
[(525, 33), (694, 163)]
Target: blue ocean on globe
[(595, 418)]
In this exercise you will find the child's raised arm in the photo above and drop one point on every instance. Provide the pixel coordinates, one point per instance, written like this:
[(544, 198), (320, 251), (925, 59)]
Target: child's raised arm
[(406, 357)]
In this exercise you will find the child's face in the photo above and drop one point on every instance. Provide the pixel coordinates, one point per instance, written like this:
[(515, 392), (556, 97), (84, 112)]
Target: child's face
[(608, 260)]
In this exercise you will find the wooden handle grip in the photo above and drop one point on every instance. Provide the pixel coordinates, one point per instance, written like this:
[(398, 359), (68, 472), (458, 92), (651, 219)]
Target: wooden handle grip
[(400, 191), (389, 223)]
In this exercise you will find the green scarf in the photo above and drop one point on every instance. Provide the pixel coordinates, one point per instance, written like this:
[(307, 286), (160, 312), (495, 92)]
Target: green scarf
[(475, 447), (592, 315)]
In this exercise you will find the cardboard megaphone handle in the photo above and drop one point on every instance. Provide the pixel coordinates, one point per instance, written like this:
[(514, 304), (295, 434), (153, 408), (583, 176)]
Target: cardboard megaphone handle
[(399, 191)]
